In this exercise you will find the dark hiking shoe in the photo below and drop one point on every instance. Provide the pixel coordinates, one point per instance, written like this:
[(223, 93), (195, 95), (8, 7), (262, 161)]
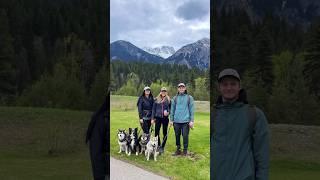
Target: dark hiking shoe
[(161, 150), (177, 153), (185, 152)]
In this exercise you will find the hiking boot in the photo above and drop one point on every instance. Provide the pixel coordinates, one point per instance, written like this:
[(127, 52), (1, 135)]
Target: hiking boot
[(185, 152), (161, 150), (177, 153)]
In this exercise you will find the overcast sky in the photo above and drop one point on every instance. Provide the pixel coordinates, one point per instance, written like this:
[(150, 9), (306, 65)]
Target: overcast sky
[(159, 22)]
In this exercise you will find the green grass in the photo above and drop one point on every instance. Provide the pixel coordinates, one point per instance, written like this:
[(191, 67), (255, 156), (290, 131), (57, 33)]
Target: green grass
[(124, 115), (294, 148), (294, 170), (295, 152), (44, 144), (48, 144)]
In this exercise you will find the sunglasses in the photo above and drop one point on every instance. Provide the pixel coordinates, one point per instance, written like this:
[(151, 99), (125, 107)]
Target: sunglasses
[(180, 86), (163, 91)]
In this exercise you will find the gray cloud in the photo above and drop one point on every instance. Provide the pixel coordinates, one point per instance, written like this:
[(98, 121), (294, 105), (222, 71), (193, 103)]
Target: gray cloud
[(193, 10), (155, 23)]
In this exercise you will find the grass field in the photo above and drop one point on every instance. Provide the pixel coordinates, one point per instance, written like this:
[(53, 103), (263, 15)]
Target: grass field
[(295, 152), (43, 144), (124, 115), (295, 149), (48, 144)]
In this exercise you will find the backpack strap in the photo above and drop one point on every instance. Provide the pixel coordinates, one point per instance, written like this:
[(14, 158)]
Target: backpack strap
[(175, 104), (189, 105), (252, 118), (175, 101)]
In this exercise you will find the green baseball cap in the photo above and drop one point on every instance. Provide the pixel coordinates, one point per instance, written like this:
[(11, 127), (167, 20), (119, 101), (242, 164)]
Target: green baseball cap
[(228, 72)]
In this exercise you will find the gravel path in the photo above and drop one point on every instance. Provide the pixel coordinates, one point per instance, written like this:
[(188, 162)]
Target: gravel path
[(120, 170)]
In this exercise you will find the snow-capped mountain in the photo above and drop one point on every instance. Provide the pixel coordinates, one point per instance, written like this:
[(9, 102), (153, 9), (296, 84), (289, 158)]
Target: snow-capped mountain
[(196, 54), (193, 55), (163, 51), (124, 50)]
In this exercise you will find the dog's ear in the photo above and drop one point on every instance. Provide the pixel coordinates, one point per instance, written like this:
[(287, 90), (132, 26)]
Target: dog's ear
[(136, 129)]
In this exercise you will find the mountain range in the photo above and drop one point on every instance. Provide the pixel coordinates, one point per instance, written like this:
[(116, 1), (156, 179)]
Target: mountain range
[(196, 54), (163, 51), (126, 51)]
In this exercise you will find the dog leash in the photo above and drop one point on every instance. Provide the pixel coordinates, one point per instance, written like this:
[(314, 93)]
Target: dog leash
[(165, 138), (140, 127)]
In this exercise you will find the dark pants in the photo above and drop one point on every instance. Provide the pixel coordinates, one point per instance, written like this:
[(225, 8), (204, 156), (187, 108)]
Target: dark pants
[(164, 121), (181, 128), (146, 126)]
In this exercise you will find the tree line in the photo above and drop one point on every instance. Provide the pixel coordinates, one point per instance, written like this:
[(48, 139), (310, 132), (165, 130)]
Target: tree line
[(278, 61), (129, 78), (52, 53)]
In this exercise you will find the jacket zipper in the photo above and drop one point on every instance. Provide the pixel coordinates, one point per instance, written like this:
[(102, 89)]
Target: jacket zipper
[(162, 113)]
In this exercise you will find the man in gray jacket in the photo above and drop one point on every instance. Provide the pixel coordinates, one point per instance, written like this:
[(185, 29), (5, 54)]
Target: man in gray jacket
[(240, 138)]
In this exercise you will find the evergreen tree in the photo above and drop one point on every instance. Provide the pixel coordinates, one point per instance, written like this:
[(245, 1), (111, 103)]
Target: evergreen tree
[(8, 79), (99, 89), (263, 62), (312, 65), (242, 51)]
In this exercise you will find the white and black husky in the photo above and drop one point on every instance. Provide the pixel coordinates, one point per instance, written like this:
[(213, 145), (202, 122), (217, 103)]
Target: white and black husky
[(143, 141), (152, 148), (122, 141), (133, 144)]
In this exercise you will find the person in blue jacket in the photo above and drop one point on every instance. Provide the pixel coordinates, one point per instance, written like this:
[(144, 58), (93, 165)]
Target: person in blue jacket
[(145, 104), (182, 117), (240, 138)]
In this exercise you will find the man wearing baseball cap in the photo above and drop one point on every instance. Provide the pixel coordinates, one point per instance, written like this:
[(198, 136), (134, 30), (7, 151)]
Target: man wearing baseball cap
[(240, 138), (182, 117)]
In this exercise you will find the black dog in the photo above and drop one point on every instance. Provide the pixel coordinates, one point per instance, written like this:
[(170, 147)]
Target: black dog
[(133, 141)]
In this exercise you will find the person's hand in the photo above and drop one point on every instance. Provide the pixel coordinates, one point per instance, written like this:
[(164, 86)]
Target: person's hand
[(165, 113), (170, 123), (152, 121), (191, 124), (141, 120)]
